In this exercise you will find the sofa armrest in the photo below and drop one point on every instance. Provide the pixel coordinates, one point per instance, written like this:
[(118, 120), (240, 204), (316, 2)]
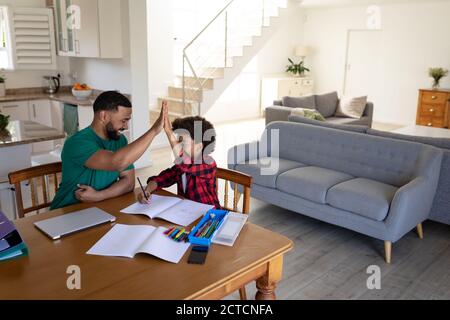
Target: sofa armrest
[(411, 205), (412, 202), (368, 112), (242, 152), (277, 113), (277, 102)]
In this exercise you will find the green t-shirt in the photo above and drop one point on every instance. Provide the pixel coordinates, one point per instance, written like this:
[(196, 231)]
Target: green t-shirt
[(77, 150)]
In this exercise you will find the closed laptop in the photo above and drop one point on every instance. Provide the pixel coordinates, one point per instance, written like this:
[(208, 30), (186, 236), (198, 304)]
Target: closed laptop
[(72, 222)]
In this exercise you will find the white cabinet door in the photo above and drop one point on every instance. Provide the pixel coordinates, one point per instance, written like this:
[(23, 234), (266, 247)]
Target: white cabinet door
[(85, 116), (40, 112), (16, 110), (87, 39)]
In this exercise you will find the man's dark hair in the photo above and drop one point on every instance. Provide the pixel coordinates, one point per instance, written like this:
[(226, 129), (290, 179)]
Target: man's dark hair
[(188, 124), (110, 101)]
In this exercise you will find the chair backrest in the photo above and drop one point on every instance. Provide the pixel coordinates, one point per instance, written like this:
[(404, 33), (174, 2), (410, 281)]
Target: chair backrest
[(43, 175), (241, 183)]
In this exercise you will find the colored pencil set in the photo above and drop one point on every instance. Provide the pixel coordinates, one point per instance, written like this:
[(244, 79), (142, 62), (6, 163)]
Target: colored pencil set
[(207, 229), (177, 234)]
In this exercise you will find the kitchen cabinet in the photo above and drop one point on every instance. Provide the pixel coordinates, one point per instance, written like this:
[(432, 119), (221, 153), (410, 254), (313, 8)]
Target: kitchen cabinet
[(40, 112), (276, 87), (89, 28), (16, 110), (85, 116)]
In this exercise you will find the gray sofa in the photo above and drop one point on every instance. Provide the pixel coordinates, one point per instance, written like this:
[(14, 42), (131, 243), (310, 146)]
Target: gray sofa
[(373, 185), (440, 210), (326, 104)]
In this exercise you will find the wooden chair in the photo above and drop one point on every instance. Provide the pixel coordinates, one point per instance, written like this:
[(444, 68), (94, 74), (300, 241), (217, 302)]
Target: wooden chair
[(42, 174), (244, 180)]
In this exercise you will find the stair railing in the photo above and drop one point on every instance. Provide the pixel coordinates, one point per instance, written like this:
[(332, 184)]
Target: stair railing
[(195, 66)]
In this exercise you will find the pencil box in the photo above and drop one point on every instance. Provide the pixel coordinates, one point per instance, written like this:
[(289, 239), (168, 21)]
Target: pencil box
[(211, 221)]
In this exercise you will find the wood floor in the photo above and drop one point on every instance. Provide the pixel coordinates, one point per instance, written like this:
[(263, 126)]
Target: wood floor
[(329, 262)]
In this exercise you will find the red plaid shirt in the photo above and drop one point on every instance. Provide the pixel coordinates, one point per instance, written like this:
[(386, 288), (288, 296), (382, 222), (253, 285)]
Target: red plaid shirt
[(200, 181)]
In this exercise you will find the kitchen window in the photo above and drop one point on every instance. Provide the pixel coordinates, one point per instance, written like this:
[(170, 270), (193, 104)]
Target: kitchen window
[(5, 41)]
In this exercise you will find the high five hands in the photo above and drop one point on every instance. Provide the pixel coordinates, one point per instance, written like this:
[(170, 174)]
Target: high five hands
[(163, 118), (163, 122)]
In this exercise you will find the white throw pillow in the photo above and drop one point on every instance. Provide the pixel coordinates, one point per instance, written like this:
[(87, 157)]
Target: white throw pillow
[(352, 107)]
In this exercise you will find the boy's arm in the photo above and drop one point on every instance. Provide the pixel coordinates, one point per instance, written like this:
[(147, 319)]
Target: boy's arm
[(174, 143), (165, 179)]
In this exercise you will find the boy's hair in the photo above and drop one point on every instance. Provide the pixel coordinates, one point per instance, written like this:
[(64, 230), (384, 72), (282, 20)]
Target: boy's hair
[(110, 101), (188, 124)]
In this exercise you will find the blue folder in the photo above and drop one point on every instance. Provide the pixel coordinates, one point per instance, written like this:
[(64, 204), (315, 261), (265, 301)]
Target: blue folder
[(11, 243)]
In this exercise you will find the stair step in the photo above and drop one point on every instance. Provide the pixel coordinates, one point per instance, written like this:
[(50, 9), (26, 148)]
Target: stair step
[(207, 83), (177, 106), (211, 72), (190, 93)]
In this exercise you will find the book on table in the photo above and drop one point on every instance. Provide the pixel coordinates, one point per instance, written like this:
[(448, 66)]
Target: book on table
[(179, 211), (11, 243), (128, 240)]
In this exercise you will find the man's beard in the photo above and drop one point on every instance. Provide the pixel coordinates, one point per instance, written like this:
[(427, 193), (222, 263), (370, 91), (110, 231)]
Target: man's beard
[(112, 133)]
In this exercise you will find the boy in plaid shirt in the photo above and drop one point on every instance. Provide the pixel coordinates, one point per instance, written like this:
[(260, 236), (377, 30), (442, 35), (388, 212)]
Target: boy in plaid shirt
[(194, 171)]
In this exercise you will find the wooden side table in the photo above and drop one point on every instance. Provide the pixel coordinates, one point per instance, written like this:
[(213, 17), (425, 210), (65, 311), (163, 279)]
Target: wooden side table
[(433, 109)]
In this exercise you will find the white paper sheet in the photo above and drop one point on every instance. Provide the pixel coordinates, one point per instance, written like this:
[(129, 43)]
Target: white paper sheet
[(161, 246), (185, 212), (122, 241), (128, 240), (157, 205), (179, 211)]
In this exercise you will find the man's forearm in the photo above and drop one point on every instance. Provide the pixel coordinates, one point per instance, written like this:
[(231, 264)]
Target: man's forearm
[(124, 185), (133, 151)]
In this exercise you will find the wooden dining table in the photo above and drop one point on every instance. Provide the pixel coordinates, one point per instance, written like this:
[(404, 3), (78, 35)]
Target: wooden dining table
[(257, 255)]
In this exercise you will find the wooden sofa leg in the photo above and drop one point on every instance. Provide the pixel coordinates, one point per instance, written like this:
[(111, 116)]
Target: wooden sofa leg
[(387, 251), (420, 231)]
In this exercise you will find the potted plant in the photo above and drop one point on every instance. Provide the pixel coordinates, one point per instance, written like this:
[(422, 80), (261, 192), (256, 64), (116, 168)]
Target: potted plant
[(2, 86), (437, 74), (4, 120), (297, 69)]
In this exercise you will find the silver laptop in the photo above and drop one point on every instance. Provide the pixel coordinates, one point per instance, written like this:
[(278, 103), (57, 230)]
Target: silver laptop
[(72, 222)]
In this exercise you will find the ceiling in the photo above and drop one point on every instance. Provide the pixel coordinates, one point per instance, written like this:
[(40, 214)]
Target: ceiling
[(338, 3)]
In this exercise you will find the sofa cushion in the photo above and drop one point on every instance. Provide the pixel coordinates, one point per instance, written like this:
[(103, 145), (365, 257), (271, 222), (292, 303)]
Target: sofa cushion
[(327, 103), (254, 168), (311, 183), (307, 102), (367, 198), (352, 107), (327, 124)]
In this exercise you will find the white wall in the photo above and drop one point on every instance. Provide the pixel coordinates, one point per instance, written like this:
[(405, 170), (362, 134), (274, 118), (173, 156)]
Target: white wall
[(161, 46), (414, 38), (108, 74), (33, 78), (241, 100)]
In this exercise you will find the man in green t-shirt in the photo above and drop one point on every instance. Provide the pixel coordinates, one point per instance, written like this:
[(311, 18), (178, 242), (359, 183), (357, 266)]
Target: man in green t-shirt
[(97, 162)]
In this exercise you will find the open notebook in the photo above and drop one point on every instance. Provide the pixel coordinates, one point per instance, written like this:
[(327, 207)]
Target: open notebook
[(128, 240), (179, 211)]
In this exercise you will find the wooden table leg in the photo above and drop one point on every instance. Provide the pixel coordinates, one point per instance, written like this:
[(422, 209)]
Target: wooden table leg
[(266, 284)]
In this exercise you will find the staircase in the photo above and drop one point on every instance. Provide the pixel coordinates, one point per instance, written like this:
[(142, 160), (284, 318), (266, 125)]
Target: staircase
[(219, 52)]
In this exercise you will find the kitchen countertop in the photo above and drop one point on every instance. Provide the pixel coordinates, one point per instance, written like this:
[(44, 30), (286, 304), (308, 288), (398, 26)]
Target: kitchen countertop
[(65, 97), (25, 132)]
